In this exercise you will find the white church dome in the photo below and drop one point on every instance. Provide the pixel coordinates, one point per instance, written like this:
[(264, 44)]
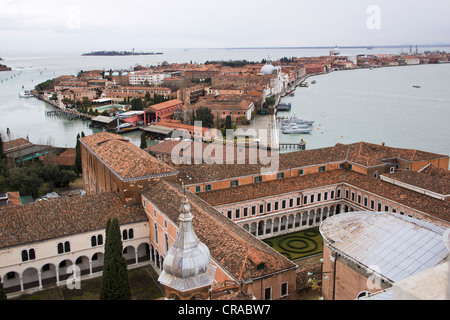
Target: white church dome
[(268, 68)]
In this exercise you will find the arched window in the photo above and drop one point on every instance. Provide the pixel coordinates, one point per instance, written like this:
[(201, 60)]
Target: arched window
[(63, 248), (93, 241), (124, 235), (67, 246), (24, 255), (166, 242), (130, 234), (99, 240), (31, 254), (362, 294)]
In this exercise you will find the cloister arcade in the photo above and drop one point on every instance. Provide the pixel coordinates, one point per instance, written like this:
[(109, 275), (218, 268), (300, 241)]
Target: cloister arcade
[(292, 221), (41, 274)]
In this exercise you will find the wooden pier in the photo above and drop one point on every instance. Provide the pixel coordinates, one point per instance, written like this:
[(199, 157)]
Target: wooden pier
[(301, 145), (70, 115)]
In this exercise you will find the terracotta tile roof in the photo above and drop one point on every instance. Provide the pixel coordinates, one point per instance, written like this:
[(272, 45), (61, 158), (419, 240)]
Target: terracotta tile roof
[(429, 205), (217, 172), (369, 154), (67, 158), (218, 104), (15, 145), (63, 217), (124, 158), (433, 179), (313, 157), (272, 188), (233, 248), (189, 148), (163, 105), (298, 159)]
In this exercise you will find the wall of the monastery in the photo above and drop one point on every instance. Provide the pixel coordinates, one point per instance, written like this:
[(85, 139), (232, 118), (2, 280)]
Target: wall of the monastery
[(348, 280), (441, 163), (250, 179), (97, 177), (273, 283)]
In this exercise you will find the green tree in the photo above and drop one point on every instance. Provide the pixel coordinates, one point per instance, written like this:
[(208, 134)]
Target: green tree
[(25, 179), (204, 115), (228, 122), (143, 140), (78, 168), (270, 101), (3, 160), (2, 154), (115, 284), (136, 104)]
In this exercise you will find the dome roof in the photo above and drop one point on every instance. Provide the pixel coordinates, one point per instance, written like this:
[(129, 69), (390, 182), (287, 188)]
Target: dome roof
[(268, 68), (187, 263)]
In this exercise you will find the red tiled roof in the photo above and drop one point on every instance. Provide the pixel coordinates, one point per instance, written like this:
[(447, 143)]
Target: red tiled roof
[(369, 154), (63, 217), (15, 145), (124, 158), (429, 205), (166, 104), (233, 248), (433, 178), (272, 188)]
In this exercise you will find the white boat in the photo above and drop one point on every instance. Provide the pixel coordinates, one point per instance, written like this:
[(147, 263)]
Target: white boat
[(296, 120), (294, 125), (26, 94), (296, 131)]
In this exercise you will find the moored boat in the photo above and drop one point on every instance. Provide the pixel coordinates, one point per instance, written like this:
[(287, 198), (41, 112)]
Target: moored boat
[(26, 94), (296, 120), (296, 130)]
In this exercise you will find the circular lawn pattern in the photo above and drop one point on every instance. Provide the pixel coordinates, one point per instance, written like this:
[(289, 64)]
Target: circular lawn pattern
[(298, 245)]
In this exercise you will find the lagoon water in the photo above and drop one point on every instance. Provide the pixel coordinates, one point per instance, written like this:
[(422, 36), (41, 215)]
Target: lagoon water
[(378, 105)]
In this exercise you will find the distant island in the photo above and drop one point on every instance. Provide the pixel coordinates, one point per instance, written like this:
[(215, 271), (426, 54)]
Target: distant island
[(119, 53), (3, 67)]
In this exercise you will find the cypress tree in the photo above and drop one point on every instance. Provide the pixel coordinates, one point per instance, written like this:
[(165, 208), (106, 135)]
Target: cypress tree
[(78, 155), (143, 140), (115, 285)]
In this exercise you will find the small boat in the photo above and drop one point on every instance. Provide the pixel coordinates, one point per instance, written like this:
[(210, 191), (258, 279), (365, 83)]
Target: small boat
[(284, 107), (418, 87), (313, 82), (26, 94), (294, 125), (298, 121), (296, 131), (304, 85)]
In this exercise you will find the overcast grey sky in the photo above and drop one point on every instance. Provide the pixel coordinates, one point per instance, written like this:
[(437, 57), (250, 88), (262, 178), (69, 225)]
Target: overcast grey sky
[(146, 24)]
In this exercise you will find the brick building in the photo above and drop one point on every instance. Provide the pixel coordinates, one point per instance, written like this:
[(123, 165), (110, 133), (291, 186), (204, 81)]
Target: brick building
[(113, 164)]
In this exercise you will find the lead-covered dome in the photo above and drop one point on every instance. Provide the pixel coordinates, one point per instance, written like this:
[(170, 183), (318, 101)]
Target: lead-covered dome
[(187, 263)]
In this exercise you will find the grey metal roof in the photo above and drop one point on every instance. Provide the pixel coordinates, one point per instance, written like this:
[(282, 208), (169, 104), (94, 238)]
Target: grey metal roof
[(390, 244), (103, 119), (158, 129)]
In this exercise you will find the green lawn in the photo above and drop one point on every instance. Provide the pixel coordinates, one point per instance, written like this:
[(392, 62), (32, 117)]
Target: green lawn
[(141, 284), (299, 244)]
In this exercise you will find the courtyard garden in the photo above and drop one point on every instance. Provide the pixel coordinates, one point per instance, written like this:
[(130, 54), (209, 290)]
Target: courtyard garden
[(299, 244)]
